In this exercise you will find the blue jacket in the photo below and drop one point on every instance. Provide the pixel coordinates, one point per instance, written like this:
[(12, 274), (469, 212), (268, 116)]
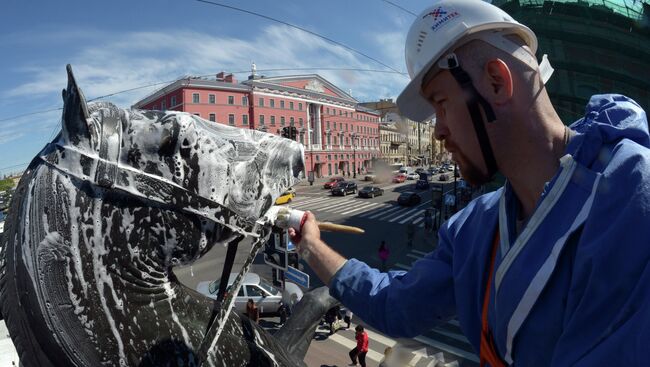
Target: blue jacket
[(573, 288)]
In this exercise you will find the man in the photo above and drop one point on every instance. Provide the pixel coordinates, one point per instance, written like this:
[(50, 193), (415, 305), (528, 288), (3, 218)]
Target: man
[(359, 352), (551, 269)]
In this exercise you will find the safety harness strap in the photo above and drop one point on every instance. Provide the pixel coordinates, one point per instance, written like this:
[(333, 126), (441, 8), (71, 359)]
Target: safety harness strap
[(488, 352), (473, 99)]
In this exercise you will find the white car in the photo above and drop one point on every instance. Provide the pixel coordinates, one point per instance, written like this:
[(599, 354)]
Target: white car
[(266, 296), (413, 176)]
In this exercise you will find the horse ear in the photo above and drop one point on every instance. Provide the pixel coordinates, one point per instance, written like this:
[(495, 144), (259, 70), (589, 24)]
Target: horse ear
[(75, 112)]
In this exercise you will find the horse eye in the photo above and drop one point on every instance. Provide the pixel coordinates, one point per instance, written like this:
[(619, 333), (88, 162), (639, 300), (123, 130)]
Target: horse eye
[(167, 143)]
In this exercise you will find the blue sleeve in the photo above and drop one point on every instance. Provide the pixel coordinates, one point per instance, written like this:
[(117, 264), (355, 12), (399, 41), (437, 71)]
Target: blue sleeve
[(398, 303), (607, 321)]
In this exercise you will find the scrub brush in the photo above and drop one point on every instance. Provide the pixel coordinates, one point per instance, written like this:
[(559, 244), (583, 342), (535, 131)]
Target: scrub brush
[(284, 217)]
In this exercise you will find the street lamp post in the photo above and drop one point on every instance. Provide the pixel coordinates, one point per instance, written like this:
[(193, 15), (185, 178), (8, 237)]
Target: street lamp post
[(354, 155)]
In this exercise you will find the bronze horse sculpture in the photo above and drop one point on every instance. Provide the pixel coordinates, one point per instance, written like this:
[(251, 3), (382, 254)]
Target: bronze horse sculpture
[(105, 211)]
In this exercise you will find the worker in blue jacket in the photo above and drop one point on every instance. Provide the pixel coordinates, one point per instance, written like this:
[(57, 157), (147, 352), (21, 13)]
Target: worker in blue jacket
[(553, 269)]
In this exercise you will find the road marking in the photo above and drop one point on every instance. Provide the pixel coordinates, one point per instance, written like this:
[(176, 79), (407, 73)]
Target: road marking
[(386, 216), (381, 213), (308, 202), (454, 322), (420, 252), (447, 348), (449, 334), (405, 267), (408, 212), (416, 257), (419, 212), (332, 204), (365, 206), (374, 211), (418, 221)]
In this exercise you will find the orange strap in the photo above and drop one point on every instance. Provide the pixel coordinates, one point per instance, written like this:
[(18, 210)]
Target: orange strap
[(488, 353)]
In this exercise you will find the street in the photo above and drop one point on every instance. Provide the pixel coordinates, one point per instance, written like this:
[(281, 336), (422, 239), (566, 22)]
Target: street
[(382, 219)]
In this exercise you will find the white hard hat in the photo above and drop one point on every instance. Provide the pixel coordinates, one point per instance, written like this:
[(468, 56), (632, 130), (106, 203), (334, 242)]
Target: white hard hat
[(445, 26)]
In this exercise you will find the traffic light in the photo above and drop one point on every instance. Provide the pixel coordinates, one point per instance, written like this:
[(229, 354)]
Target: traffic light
[(286, 132)]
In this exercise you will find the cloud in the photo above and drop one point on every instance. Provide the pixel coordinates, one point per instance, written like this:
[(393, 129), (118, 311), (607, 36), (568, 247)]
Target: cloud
[(114, 62), (129, 60)]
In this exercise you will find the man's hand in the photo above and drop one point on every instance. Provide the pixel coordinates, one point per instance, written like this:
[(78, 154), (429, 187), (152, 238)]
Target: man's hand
[(308, 236)]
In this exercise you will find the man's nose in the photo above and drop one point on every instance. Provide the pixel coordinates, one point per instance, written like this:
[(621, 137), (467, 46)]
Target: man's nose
[(440, 130)]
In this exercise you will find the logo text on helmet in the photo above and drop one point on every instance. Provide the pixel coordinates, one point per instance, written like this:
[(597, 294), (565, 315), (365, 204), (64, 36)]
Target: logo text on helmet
[(441, 16)]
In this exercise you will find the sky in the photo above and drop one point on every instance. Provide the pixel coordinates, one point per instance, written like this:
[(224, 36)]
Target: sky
[(119, 45)]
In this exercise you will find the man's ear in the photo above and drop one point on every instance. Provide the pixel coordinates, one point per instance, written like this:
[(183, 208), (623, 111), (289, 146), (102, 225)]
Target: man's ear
[(499, 79)]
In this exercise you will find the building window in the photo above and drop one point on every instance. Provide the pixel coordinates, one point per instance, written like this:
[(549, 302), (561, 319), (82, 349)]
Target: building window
[(328, 125), (244, 100), (153, 107), (328, 140), (261, 102), (272, 120), (340, 112), (281, 104), (197, 114), (302, 139), (335, 140), (261, 120), (291, 105), (162, 105), (173, 101), (211, 98), (300, 106), (300, 122), (195, 98), (231, 119), (272, 103), (341, 126), (213, 117), (329, 169), (282, 121), (231, 99), (291, 121)]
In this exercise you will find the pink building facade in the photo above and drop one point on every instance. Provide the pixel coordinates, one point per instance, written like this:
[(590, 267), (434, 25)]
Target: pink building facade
[(339, 135)]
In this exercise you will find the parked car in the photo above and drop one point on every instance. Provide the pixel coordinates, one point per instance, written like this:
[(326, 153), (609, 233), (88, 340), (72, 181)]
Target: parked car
[(422, 184), (413, 176), (443, 177), (399, 178), (265, 295), (408, 198), (333, 181), (344, 188), (419, 170), (370, 192), (286, 197)]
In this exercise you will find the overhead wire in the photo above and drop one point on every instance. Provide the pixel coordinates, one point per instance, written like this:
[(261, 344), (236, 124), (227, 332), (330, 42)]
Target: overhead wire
[(302, 29), (399, 7)]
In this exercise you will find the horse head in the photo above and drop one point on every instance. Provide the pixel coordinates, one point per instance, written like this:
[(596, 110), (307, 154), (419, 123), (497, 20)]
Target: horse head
[(105, 211)]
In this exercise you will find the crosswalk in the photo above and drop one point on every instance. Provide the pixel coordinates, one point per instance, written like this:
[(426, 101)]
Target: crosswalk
[(364, 208), (410, 353), (448, 337)]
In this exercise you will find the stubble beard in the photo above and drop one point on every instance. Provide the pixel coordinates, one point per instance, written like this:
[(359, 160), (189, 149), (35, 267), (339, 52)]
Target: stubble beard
[(470, 172)]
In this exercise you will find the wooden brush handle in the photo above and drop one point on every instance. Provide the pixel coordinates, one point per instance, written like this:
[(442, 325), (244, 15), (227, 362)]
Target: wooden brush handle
[(331, 227)]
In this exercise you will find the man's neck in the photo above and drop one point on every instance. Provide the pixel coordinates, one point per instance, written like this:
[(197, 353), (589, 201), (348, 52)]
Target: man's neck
[(534, 158)]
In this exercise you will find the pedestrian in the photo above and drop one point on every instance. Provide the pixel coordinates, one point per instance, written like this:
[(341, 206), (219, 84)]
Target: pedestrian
[(359, 352), (561, 250), (252, 311), (283, 312), (383, 252), (348, 317), (410, 233), (385, 361), (332, 318)]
